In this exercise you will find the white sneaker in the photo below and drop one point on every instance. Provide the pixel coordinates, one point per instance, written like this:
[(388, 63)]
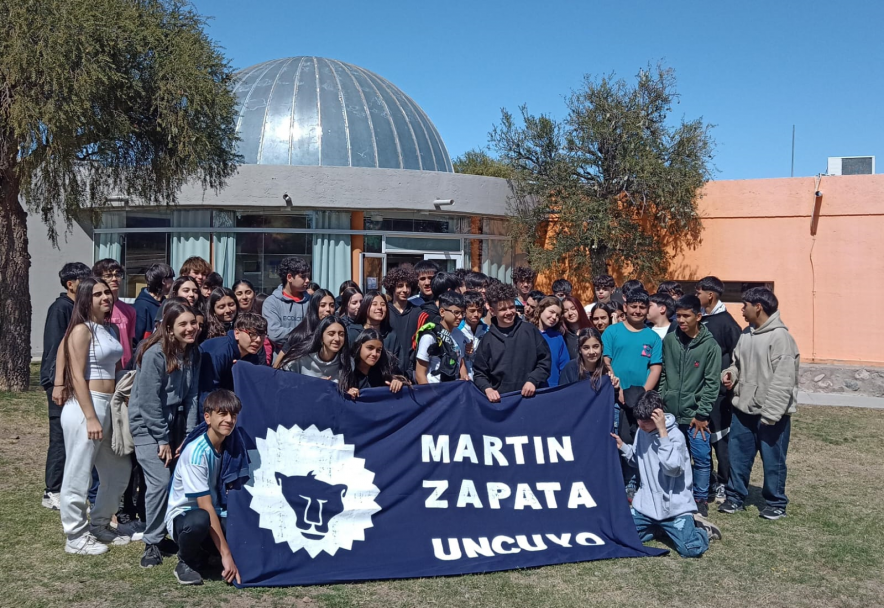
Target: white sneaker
[(51, 500), (109, 536), (133, 529), (86, 544)]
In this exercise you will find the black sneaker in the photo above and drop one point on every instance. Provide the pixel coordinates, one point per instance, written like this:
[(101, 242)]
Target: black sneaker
[(187, 575), (772, 513), (719, 493), (152, 556), (729, 506), (703, 508)]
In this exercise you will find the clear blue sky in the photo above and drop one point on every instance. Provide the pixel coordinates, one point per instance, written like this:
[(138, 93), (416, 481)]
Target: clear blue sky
[(751, 68)]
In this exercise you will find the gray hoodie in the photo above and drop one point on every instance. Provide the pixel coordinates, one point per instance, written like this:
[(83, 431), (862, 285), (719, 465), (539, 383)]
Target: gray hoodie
[(765, 371), (158, 397), (283, 314), (664, 466), (311, 365)]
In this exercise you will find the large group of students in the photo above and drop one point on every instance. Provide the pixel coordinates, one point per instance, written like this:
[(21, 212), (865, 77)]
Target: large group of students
[(687, 381)]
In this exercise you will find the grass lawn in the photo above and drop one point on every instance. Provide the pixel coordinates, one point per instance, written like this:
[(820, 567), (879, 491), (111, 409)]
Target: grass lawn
[(829, 551)]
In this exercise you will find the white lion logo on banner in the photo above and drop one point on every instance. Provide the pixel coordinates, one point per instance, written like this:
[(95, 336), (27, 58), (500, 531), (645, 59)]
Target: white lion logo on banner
[(310, 490)]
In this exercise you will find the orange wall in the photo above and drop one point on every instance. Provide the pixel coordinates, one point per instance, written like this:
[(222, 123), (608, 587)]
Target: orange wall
[(760, 230)]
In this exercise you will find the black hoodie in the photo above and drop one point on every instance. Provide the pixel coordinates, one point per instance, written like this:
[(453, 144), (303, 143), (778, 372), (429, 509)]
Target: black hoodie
[(506, 361), (726, 332), (57, 320), (146, 309), (405, 325)]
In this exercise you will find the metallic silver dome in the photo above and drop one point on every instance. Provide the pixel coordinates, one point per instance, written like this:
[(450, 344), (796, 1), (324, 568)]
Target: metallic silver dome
[(315, 111)]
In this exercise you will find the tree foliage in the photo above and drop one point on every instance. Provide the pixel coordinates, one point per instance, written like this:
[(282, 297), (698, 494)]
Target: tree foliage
[(479, 162), (614, 184), (100, 98)]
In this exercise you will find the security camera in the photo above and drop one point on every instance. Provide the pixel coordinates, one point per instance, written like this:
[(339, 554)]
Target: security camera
[(287, 198)]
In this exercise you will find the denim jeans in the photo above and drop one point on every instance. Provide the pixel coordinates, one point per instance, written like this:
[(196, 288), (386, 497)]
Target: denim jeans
[(748, 436), (689, 540), (701, 455)]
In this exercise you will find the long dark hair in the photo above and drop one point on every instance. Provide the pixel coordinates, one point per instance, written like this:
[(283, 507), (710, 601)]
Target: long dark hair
[(200, 300), (346, 296), (248, 284), (362, 316), (314, 345), (601, 367), (303, 331), (380, 372), (582, 320), (82, 314), (165, 337), (216, 326)]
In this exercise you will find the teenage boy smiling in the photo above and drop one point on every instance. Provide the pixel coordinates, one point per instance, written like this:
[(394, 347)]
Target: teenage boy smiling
[(513, 356), (634, 351)]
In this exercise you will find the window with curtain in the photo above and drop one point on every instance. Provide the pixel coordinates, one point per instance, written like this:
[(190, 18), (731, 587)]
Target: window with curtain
[(331, 252), (224, 246), (189, 244), (110, 245)]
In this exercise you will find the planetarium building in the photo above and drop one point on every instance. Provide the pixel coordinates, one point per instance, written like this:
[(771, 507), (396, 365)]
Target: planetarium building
[(339, 167)]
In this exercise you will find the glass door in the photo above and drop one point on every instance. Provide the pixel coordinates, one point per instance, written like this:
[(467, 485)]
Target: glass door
[(448, 262), (373, 267)]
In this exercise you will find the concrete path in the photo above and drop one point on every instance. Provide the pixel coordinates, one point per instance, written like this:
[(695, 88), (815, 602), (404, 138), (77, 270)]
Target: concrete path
[(840, 400)]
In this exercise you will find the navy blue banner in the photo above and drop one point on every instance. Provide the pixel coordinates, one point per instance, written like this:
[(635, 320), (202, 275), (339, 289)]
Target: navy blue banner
[(431, 481)]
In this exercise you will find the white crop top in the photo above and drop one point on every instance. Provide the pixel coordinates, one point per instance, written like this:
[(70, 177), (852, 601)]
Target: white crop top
[(104, 353)]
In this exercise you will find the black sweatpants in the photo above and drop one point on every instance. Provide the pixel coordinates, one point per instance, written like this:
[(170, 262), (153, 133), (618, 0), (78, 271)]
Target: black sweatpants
[(720, 426), (55, 455), (191, 533)]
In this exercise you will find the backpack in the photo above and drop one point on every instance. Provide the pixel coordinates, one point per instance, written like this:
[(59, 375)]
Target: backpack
[(442, 348)]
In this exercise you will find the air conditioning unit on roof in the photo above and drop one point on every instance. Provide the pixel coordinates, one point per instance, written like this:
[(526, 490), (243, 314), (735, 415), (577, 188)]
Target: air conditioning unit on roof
[(851, 165)]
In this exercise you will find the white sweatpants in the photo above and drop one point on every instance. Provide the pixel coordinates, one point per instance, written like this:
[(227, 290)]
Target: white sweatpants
[(81, 455)]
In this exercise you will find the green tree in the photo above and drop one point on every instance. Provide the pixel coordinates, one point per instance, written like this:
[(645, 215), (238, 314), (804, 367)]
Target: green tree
[(614, 184), (99, 98), (479, 162)]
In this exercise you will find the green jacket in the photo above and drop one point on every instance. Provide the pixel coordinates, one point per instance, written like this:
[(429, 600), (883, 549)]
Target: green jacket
[(691, 375)]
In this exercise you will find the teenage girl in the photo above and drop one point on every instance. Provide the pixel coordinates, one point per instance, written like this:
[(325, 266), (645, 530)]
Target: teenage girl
[(220, 312), (371, 366), (325, 356), (321, 305), (162, 410), (351, 300), (590, 364), (574, 319), (86, 380), (244, 292), (548, 319), (374, 313), (602, 316)]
